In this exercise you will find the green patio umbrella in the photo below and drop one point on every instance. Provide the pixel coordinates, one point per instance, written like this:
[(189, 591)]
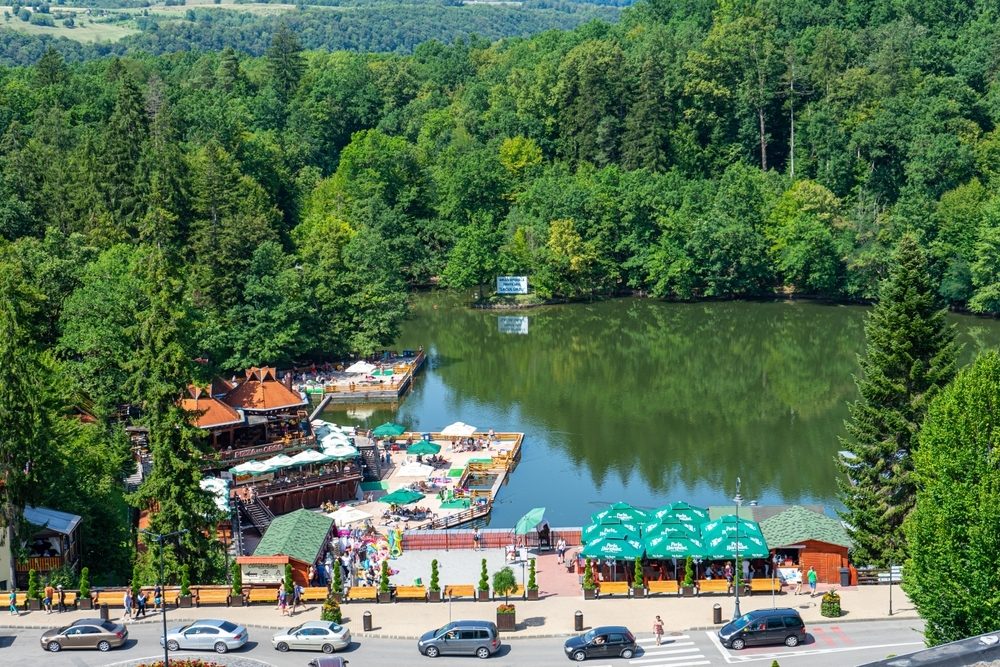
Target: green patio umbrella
[(720, 539), (529, 521), (423, 448), (622, 512), (683, 512), (386, 372), (669, 546), (670, 527), (401, 497), (614, 530), (605, 547), (389, 429)]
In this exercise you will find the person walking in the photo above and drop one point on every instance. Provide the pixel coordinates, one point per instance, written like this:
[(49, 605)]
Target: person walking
[(812, 582), (658, 630), (283, 600), (62, 598), (13, 602), (158, 598), (476, 539), (127, 603), (47, 601), (296, 597), (561, 550), (140, 602)]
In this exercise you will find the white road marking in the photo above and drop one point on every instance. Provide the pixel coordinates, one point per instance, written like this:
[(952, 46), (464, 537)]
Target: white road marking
[(670, 651), (666, 639), (679, 664), (665, 660), (793, 653)]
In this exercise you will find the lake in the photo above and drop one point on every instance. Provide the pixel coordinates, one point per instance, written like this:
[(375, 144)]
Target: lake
[(644, 401)]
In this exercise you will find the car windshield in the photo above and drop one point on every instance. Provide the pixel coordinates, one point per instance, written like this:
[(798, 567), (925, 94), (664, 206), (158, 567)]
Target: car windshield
[(227, 626), (741, 622), (589, 637), (62, 631), (295, 629)]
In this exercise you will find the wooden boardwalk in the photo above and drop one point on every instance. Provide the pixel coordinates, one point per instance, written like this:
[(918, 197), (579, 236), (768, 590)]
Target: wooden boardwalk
[(350, 390)]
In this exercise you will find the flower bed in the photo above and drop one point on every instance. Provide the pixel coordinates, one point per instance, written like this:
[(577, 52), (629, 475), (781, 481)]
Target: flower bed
[(182, 662)]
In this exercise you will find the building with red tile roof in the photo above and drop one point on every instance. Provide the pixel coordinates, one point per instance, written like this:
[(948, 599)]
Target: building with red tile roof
[(262, 392), (208, 411)]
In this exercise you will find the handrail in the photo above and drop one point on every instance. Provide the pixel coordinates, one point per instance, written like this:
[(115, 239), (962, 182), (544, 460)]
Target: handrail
[(459, 518), (305, 482)]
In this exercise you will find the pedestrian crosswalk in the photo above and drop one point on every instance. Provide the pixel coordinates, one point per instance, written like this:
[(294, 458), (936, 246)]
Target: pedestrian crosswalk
[(675, 651)]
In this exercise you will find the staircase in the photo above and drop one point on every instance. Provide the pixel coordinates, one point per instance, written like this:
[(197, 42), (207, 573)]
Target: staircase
[(142, 470), (371, 468), (258, 514)]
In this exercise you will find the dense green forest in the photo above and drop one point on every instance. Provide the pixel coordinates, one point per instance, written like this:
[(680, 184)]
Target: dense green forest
[(357, 25), (275, 208)]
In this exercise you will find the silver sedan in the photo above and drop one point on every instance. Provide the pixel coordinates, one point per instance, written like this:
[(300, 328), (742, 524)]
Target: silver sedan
[(323, 636), (214, 634)]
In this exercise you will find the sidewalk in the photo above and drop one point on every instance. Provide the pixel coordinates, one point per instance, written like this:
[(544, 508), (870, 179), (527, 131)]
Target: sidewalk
[(552, 615)]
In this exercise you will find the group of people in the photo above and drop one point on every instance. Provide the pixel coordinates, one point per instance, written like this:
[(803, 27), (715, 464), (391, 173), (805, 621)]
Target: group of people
[(135, 606), (289, 598)]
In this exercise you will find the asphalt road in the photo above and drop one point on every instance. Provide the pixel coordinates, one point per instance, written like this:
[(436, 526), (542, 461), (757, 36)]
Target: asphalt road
[(829, 645)]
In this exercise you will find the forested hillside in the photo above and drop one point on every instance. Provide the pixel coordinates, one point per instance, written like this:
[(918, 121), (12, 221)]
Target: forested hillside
[(235, 210)]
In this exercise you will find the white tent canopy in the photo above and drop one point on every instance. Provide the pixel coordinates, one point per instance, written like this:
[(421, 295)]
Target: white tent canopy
[(340, 452), (348, 515), (360, 367), (460, 429), (308, 456), (414, 469), (251, 468), (279, 461)]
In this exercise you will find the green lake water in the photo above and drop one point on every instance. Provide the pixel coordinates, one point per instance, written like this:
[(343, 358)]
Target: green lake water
[(644, 401)]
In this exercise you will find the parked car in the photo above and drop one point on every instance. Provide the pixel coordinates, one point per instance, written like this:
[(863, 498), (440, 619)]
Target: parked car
[(85, 633), (607, 641), (328, 662), (766, 626), (479, 638), (215, 634), (323, 636)]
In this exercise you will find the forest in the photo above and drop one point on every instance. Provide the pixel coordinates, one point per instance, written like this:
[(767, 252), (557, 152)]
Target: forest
[(231, 210)]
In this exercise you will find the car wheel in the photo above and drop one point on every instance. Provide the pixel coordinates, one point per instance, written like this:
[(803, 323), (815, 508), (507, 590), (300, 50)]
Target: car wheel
[(738, 644), (104, 646), (482, 652), (627, 654), (172, 645), (328, 648), (579, 656), (432, 652), (282, 646), (55, 647), (220, 647), (791, 640)]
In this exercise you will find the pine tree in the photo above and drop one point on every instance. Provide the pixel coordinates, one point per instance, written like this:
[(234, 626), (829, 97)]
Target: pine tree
[(910, 355), (645, 140), (285, 62), (953, 572), (124, 141)]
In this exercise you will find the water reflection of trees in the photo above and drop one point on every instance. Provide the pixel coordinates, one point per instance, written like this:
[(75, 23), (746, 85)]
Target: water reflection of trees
[(674, 393)]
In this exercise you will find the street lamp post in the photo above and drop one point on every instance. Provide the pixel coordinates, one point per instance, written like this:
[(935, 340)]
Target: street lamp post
[(774, 568), (738, 499), (163, 612)]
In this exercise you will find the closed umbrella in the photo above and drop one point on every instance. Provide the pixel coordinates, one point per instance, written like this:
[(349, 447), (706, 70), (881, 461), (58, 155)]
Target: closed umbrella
[(401, 497), (389, 429), (622, 512), (423, 448), (606, 547), (529, 521)]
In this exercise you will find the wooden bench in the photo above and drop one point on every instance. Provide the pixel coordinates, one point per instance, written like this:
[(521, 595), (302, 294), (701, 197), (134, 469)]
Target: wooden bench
[(518, 592), (362, 593), (260, 595), (314, 594), (460, 591), (670, 587), (713, 586), (206, 596), (411, 593), (614, 588), (764, 586)]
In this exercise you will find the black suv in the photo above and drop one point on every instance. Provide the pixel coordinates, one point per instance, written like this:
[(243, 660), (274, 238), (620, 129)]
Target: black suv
[(767, 626), (609, 641)]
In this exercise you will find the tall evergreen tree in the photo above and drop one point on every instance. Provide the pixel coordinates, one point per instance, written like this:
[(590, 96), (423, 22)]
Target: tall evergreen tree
[(953, 573), (911, 354), (645, 139), (123, 145), (285, 62)]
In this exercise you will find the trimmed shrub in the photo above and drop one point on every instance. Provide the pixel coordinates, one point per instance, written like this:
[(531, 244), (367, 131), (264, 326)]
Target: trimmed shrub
[(185, 581), (484, 578), (588, 577), (34, 586), (331, 610), (85, 582), (637, 578), (688, 573), (383, 580), (435, 584), (830, 606), (237, 579), (532, 584)]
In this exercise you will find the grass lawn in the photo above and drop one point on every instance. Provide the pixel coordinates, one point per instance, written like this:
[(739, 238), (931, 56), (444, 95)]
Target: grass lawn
[(85, 31)]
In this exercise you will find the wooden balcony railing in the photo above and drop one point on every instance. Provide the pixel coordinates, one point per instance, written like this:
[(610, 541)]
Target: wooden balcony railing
[(308, 482), (40, 564)]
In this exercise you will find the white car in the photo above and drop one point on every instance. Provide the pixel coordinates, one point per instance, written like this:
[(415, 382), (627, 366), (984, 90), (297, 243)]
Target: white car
[(325, 636), (217, 635)]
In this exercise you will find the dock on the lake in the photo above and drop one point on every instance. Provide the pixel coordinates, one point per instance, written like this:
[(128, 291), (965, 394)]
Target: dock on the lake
[(384, 382)]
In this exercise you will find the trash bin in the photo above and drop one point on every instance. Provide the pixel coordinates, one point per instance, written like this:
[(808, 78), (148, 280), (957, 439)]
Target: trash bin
[(578, 621), (717, 614), (366, 620), (845, 577), (104, 612)]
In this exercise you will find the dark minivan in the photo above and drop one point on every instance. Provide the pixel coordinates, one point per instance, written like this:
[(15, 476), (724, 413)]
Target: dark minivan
[(609, 641), (766, 626)]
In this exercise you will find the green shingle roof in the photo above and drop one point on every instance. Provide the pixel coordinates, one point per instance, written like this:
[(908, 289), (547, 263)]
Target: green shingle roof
[(300, 534), (797, 524)]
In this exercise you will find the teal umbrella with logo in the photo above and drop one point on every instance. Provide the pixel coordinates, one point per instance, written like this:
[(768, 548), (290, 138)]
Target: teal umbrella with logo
[(671, 528), (670, 546), (613, 529), (682, 512), (623, 512), (423, 448), (388, 429), (401, 497), (729, 537), (606, 547)]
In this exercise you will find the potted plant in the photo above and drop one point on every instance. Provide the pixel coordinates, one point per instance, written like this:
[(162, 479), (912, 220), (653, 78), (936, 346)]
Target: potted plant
[(687, 586), (84, 599), (185, 597), (503, 584), (638, 586), (830, 606), (134, 587), (532, 584), (331, 610), (337, 588), (483, 590), (589, 587), (384, 595), (434, 589), (34, 591), (237, 591)]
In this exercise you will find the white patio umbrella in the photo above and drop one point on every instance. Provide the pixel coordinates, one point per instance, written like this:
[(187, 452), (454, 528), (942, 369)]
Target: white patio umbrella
[(309, 456), (460, 429), (414, 469), (279, 461), (251, 468), (340, 452), (334, 439), (348, 515), (360, 368)]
